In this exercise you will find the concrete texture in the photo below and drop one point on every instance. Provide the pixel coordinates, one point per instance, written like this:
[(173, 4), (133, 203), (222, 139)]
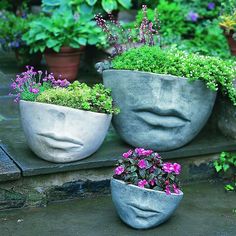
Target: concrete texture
[(62, 134), (227, 118), (142, 208), (159, 112), (205, 210)]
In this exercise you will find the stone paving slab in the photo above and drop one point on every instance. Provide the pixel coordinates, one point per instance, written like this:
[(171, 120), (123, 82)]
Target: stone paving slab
[(206, 210), (8, 169)]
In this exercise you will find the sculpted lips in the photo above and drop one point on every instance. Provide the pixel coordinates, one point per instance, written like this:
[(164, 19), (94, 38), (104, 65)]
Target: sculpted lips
[(60, 142), (169, 118), (143, 212)]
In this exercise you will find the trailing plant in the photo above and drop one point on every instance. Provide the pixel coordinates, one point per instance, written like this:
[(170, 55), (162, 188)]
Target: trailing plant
[(80, 96), (146, 169), (62, 29), (213, 71), (226, 162), (121, 39)]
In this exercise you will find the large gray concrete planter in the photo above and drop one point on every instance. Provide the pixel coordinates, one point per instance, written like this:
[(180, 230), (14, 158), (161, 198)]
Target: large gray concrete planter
[(227, 117), (160, 112), (142, 208), (62, 134)]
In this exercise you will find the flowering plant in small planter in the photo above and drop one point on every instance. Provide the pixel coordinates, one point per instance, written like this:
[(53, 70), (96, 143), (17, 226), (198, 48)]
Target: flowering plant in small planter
[(146, 169), (62, 121), (144, 187)]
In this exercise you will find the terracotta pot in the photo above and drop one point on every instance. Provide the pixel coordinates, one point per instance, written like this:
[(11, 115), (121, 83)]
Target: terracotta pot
[(65, 63), (231, 42)]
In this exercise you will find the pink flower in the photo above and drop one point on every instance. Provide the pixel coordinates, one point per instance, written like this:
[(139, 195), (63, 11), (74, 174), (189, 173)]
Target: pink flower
[(142, 164), (152, 182), (152, 169), (177, 168), (176, 190), (119, 170), (143, 152), (34, 90), (168, 167), (167, 190), (157, 155), (142, 183), (127, 154)]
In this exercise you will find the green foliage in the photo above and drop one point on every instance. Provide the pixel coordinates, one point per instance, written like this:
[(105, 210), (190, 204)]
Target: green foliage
[(208, 40), (213, 71), (62, 29), (88, 5), (29, 96), (223, 164), (171, 16), (80, 96)]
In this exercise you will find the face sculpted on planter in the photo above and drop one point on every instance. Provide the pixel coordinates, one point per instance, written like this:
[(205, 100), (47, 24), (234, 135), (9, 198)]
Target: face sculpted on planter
[(58, 135), (159, 112)]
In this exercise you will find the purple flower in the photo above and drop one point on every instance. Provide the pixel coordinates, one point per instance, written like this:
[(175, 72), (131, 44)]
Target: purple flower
[(176, 168), (127, 154), (211, 5), (192, 16), (119, 170), (142, 164), (34, 90), (168, 167), (142, 183)]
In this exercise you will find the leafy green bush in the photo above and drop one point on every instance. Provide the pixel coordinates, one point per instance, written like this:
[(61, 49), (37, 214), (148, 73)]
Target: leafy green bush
[(62, 29), (80, 96), (212, 70), (225, 162)]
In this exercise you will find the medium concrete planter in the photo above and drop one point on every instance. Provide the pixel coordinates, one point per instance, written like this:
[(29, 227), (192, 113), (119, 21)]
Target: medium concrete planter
[(61, 134), (142, 208), (159, 112)]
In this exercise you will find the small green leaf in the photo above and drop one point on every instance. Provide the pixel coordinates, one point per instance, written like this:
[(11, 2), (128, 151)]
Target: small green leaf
[(91, 2), (125, 3)]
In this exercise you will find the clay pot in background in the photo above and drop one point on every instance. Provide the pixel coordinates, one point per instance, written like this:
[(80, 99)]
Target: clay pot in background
[(65, 63)]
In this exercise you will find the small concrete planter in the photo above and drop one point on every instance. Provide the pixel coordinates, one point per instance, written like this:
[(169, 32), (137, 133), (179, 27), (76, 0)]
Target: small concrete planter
[(159, 112), (62, 134), (142, 208)]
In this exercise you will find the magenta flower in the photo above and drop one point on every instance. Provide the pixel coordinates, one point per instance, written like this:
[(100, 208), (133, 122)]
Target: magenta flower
[(127, 154), (152, 169), (142, 164), (167, 190), (176, 168), (142, 183), (143, 152), (152, 182), (176, 190), (157, 155), (119, 170), (168, 167)]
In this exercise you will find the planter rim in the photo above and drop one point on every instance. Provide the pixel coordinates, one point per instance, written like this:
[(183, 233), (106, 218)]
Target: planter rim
[(146, 189), (64, 107), (65, 49), (168, 76)]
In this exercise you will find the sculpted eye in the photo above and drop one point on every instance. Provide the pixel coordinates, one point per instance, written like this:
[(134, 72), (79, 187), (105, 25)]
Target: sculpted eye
[(58, 116)]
